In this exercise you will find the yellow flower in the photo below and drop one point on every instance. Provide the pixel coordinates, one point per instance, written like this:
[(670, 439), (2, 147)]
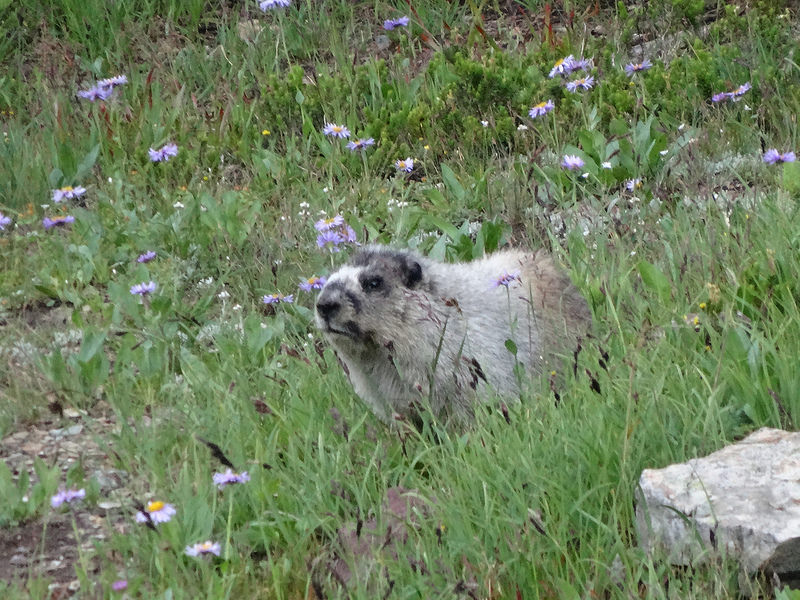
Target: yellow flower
[(265, 132)]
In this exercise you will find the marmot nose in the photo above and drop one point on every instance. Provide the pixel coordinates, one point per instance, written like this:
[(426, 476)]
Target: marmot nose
[(327, 307)]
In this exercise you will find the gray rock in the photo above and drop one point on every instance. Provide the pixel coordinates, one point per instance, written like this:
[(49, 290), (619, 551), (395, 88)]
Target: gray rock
[(742, 502)]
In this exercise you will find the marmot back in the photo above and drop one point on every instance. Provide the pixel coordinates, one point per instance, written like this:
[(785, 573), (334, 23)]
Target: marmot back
[(409, 329)]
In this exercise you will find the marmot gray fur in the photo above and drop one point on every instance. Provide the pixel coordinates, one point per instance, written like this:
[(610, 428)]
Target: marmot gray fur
[(410, 330)]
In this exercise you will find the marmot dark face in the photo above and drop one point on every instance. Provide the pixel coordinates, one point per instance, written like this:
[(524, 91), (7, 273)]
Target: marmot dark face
[(364, 299)]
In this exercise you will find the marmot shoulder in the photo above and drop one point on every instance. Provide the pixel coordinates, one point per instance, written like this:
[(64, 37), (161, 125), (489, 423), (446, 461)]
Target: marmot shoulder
[(411, 330)]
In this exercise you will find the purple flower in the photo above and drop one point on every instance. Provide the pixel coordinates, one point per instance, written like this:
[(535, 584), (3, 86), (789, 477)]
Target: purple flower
[(67, 496), (633, 184), (330, 240), (406, 165), (585, 83), (270, 299), (207, 547), (360, 144), (348, 234), (562, 66), (146, 257), (112, 82), (577, 64), (4, 221), (390, 24), (119, 585), (572, 162), (50, 222), (772, 156), (144, 288), (68, 193), (97, 92), (228, 477), (313, 283), (339, 131), (164, 153), (541, 109), (632, 68), (740, 91), (506, 279), (721, 96), (266, 5), (329, 224), (735, 95), (156, 512)]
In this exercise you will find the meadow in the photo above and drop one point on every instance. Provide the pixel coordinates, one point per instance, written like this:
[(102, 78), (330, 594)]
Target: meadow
[(165, 168)]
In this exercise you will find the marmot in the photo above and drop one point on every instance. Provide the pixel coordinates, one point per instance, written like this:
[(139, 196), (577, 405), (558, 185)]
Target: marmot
[(411, 330)]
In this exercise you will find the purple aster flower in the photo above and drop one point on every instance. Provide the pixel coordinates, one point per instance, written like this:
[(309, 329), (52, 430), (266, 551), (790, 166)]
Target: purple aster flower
[(585, 83), (228, 477), (390, 24), (577, 64), (633, 184), (270, 299), (339, 131), (772, 156), (112, 82), (360, 144), (68, 193), (506, 279), (562, 66), (4, 221), (207, 547), (348, 234), (156, 512), (721, 96), (266, 5), (119, 585), (164, 153), (97, 92), (67, 496), (50, 222), (144, 288), (330, 240), (741, 90), (313, 283), (541, 109), (632, 68), (406, 165), (328, 224), (146, 257), (572, 162)]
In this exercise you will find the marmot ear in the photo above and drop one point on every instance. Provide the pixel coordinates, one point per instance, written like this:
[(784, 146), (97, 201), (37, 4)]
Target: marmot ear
[(412, 273)]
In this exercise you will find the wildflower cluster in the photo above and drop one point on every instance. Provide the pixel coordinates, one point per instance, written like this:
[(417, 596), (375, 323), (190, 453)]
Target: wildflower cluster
[(333, 232)]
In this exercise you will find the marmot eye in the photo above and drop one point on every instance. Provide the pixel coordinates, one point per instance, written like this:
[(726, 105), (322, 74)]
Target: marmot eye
[(372, 284)]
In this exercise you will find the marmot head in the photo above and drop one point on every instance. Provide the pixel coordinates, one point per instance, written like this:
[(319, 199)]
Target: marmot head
[(363, 300)]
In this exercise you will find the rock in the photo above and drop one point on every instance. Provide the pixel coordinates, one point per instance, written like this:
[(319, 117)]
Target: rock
[(742, 502)]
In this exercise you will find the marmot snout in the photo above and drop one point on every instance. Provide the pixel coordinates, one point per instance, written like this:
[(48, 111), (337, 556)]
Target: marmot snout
[(409, 329)]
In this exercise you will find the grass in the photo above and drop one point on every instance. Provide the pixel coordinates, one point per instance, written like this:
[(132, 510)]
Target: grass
[(536, 506)]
